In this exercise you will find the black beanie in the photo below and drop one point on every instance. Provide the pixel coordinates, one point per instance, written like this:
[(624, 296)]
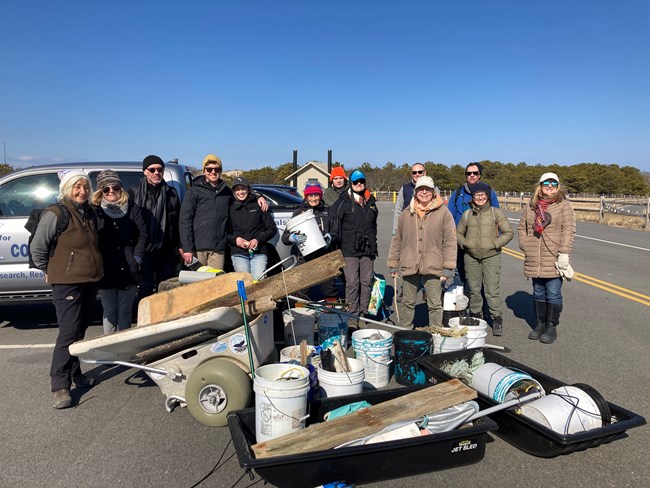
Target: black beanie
[(150, 160)]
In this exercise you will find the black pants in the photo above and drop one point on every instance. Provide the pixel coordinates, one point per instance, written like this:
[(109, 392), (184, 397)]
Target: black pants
[(157, 266), (74, 306)]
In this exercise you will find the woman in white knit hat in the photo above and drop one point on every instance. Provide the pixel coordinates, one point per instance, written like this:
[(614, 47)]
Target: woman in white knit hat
[(73, 266)]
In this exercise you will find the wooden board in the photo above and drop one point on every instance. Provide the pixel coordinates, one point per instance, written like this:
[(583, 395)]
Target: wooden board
[(367, 421), (125, 344), (290, 281), (175, 303)]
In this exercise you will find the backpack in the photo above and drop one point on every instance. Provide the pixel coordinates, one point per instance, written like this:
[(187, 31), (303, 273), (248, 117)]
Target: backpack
[(62, 221)]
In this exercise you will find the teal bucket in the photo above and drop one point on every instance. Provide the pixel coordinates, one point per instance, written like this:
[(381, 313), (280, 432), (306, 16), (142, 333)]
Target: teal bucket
[(409, 346)]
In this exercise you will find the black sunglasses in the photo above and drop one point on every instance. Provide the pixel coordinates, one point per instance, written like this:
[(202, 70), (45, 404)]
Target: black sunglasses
[(417, 172), (213, 170), (156, 170), (359, 182), (106, 189), (474, 173)]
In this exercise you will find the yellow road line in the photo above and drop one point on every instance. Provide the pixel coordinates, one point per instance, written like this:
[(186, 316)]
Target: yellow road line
[(595, 282)]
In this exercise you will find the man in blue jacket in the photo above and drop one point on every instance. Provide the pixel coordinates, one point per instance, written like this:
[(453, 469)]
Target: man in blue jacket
[(461, 200)]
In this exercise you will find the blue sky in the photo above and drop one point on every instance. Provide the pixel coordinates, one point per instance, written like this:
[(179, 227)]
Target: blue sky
[(449, 81)]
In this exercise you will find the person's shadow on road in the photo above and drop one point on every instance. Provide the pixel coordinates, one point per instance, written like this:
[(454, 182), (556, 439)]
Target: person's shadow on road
[(521, 304)]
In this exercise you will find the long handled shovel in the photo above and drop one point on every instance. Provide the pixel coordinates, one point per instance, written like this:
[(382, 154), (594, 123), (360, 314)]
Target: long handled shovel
[(241, 290), (395, 299)]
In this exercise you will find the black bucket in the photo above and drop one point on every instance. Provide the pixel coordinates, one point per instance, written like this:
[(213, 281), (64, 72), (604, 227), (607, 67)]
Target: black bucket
[(409, 346), (450, 314)]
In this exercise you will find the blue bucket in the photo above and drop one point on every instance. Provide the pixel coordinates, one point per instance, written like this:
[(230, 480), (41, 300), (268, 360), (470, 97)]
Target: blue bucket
[(409, 346)]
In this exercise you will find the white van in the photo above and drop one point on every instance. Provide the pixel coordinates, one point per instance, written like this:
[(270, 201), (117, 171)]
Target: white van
[(36, 188)]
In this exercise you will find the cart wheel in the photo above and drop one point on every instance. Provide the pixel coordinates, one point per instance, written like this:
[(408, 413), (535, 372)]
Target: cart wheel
[(215, 388)]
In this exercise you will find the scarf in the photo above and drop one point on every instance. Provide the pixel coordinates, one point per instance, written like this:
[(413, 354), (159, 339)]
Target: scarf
[(154, 200), (115, 210), (416, 207), (542, 219)]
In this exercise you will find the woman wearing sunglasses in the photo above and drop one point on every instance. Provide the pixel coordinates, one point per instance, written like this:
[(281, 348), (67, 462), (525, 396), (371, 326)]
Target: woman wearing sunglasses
[(547, 229), (122, 242)]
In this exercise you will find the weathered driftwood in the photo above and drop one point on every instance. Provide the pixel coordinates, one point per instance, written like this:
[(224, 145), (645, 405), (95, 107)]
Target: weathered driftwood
[(366, 421), (173, 304), (277, 287)]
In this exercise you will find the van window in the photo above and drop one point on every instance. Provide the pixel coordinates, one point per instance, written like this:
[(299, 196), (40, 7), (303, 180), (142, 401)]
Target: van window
[(18, 197)]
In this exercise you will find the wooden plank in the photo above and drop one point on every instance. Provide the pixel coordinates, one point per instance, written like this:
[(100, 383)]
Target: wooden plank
[(367, 421), (288, 282), (175, 303)]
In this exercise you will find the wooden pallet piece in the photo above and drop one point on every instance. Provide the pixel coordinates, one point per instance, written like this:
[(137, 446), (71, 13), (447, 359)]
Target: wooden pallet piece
[(288, 282), (173, 304), (367, 421)]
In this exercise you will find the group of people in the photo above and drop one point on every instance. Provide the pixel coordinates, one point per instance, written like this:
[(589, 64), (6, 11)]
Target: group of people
[(123, 243), (461, 244)]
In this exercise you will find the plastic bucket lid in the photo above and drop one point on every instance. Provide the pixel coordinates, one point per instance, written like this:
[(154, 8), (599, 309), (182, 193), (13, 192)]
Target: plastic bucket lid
[(306, 224), (280, 400)]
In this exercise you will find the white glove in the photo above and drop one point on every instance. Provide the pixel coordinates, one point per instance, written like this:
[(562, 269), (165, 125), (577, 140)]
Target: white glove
[(566, 274), (562, 261)]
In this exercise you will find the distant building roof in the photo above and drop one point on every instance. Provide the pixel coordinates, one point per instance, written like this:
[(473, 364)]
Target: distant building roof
[(321, 167)]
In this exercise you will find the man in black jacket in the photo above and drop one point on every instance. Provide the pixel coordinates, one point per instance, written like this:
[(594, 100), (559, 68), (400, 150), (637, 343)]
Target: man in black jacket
[(160, 208), (204, 216), (353, 225)]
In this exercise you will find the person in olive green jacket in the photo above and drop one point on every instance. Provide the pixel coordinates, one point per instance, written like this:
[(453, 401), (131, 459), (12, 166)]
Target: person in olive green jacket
[(482, 231)]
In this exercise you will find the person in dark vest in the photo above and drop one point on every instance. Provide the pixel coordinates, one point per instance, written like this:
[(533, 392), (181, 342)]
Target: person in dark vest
[(73, 266), (122, 241), (160, 208)]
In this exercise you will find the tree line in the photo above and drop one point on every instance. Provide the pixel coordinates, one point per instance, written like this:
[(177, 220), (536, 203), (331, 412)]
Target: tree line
[(602, 179)]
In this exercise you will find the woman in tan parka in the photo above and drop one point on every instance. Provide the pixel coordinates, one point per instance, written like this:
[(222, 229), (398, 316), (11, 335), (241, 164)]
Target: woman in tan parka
[(547, 229), (424, 248)]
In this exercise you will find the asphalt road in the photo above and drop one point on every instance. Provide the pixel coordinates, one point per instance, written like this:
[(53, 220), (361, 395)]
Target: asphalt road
[(120, 434)]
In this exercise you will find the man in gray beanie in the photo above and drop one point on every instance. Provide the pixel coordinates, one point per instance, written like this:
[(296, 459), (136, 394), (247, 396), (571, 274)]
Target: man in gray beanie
[(160, 208)]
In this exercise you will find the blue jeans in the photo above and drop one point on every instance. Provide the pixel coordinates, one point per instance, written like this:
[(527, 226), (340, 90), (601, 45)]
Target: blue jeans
[(118, 308), (255, 265), (547, 290)]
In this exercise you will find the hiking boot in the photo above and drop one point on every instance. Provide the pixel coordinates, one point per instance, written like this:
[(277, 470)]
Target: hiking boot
[(83, 381), (497, 326), (62, 399)]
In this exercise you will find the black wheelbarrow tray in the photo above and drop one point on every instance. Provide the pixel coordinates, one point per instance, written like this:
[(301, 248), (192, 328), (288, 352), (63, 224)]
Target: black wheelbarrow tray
[(524, 433), (360, 464)]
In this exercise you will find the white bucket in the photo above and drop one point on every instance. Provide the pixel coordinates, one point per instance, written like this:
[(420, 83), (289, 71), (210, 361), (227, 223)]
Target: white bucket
[(280, 404), (304, 326), (447, 344), (306, 224), (375, 355), (454, 299), (332, 325), (291, 354), (499, 382), (565, 410), (482, 324), (339, 384), (476, 338)]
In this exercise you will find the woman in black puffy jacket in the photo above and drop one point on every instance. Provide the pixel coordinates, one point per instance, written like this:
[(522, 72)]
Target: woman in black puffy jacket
[(122, 242)]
